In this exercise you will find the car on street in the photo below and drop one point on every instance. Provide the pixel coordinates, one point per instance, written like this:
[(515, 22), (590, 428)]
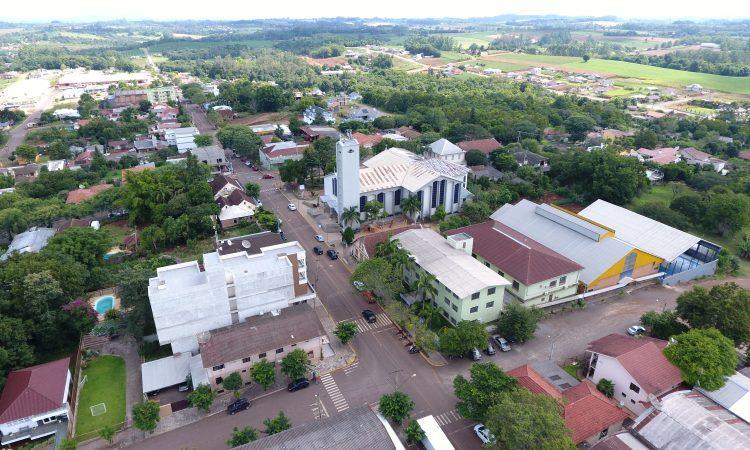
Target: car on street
[(635, 330), (292, 207), (501, 342), (318, 250), (369, 316), (490, 349), (358, 285), (476, 355), (255, 168), (333, 254), (267, 176), (296, 385), (282, 236), (319, 238), (483, 433), (238, 405)]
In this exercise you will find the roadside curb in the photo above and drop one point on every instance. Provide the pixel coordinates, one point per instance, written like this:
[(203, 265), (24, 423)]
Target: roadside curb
[(429, 361)]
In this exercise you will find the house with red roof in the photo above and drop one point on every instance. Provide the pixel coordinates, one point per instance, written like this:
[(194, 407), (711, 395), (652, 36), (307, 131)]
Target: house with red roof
[(538, 274), (661, 156), (588, 413), (367, 140), (636, 366), (363, 248), (275, 154), (34, 402), (80, 195), (485, 146)]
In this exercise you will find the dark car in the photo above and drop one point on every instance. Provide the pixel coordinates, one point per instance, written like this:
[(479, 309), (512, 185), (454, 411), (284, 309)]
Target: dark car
[(237, 406), (318, 250), (333, 254), (296, 385), (267, 176), (369, 316)]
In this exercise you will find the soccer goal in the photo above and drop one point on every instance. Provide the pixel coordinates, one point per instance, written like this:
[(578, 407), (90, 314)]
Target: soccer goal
[(98, 409)]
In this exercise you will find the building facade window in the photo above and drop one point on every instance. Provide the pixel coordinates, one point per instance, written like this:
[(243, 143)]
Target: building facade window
[(490, 291), (262, 355), (397, 197), (489, 304), (563, 279), (334, 186), (381, 197), (280, 350), (247, 360), (553, 283), (435, 187), (447, 302), (474, 309), (219, 367), (453, 321), (634, 388), (475, 296), (500, 272), (442, 192), (456, 192), (516, 285), (362, 203), (219, 380), (455, 308)]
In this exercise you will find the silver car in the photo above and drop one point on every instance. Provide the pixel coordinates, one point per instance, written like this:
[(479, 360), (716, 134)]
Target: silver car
[(483, 433), (501, 342)]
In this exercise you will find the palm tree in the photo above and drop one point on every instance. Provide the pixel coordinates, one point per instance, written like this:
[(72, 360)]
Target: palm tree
[(401, 260), (386, 248), (411, 206), (350, 216), (424, 284)]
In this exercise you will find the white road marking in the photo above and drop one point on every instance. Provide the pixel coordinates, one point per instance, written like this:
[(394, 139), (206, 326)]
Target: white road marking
[(382, 321), (349, 369), (337, 398), (447, 417)]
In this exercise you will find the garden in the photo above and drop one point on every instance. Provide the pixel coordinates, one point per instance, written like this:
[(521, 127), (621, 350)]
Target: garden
[(101, 402)]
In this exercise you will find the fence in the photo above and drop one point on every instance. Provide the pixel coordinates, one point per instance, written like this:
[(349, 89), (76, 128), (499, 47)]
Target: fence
[(75, 389)]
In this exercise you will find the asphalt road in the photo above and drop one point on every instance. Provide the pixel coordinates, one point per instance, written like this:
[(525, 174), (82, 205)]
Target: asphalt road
[(18, 133)]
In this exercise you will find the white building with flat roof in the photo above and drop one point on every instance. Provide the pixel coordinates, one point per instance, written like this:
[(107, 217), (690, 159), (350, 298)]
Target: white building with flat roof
[(246, 276), (182, 138)]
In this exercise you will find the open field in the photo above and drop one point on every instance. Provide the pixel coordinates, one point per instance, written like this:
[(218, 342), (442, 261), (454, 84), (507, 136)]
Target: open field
[(105, 383), (5, 83), (200, 44), (504, 66), (402, 64), (466, 39), (649, 74)]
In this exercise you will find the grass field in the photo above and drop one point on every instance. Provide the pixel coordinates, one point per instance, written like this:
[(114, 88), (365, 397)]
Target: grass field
[(650, 74), (193, 44), (504, 66), (400, 64), (466, 39), (105, 383), (5, 83)]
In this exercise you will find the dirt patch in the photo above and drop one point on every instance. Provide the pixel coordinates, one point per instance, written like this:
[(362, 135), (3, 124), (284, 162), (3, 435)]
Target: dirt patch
[(325, 61), (273, 117)]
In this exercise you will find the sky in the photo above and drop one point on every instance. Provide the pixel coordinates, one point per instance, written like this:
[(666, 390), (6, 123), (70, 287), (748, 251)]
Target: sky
[(82, 10)]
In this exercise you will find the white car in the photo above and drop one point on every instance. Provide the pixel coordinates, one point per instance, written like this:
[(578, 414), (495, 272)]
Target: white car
[(358, 285), (483, 433), (292, 207), (319, 238), (635, 330)]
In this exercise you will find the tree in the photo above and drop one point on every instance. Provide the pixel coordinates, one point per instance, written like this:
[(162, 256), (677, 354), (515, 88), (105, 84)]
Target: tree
[(293, 171), (395, 406), (480, 392), (241, 139), (725, 307), (586, 58), (13, 221), (15, 351), (424, 338), (107, 432), (578, 125), (523, 420), (345, 331), (439, 213), (27, 152), (705, 357), (84, 244), (663, 325), (425, 286), (606, 387), (504, 161), (379, 275), (202, 397), (454, 221), (263, 373), (468, 334), (242, 436), (252, 189), (476, 211), (518, 323), (475, 158), (372, 210), (414, 433), (646, 139), (727, 212), (661, 213), (411, 206), (350, 216), (277, 424), (203, 140), (146, 415), (295, 364), (233, 383), (347, 236), (144, 106)]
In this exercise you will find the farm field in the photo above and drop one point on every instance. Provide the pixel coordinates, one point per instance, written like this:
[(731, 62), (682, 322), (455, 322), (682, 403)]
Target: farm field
[(649, 74), (466, 39)]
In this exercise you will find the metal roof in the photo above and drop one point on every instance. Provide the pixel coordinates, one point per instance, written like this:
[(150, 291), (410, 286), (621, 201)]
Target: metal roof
[(32, 240), (734, 395), (445, 147), (396, 167), (570, 238), (165, 372), (640, 231)]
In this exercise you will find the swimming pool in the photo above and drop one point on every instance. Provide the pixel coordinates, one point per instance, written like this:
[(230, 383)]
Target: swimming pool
[(104, 304)]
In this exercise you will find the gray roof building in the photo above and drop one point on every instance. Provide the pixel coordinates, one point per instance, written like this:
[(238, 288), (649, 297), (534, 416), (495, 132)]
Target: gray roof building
[(30, 241)]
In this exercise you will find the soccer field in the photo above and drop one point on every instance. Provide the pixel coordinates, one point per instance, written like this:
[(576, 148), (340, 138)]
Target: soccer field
[(105, 384)]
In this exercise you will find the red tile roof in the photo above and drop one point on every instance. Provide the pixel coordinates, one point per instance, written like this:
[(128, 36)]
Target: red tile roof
[(586, 411), (485, 146), (515, 254), (273, 152), (745, 154), (34, 390), (664, 155), (642, 358), (367, 140), (79, 195)]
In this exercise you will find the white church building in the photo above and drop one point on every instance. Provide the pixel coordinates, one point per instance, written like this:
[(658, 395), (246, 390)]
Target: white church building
[(391, 176)]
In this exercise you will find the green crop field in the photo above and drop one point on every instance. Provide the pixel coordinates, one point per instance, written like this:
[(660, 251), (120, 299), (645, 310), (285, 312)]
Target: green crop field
[(649, 74), (505, 66), (466, 39)]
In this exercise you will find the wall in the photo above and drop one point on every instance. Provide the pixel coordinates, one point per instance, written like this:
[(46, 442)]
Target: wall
[(704, 270), (645, 264), (611, 369)]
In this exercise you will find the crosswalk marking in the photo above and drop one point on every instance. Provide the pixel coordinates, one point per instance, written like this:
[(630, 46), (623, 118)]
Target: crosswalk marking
[(349, 369), (337, 398), (382, 321), (447, 417), (318, 412)]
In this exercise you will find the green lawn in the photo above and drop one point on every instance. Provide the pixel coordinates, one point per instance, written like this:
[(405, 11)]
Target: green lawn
[(504, 66), (105, 383), (650, 74), (466, 39)]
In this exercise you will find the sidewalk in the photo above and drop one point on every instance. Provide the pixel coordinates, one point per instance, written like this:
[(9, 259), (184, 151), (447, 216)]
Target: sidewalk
[(343, 354)]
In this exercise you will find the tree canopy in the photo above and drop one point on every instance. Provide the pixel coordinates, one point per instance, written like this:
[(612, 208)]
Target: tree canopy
[(704, 356)]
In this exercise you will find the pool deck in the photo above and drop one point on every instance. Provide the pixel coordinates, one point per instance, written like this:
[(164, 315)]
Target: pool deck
[(94, 296)]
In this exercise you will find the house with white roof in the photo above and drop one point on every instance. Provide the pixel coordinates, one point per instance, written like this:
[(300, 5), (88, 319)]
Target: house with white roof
[(182, 138), (312, 112), (447, 151), (390, 176), (32, 240), (466, 288)]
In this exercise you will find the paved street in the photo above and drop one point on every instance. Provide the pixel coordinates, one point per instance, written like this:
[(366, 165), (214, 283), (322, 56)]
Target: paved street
[(18, 133)]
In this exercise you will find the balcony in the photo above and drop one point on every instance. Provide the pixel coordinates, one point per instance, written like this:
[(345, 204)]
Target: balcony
[(34, 433)]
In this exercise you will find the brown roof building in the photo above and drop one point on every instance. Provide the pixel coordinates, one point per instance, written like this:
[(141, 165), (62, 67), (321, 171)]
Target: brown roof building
[(80, 195), (364, 246), (485, 146)]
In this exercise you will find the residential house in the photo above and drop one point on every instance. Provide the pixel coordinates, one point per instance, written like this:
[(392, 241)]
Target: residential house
[(61, 225), (32, 240), (66, 113), (269, 336), (84, 158), (35, 402), (684, 256), (367, 140), (79, 195), (223, 185), (486, 146), (338, 432), (588, 414), (660, 156), (312, 112), (636, 366), (653, 115), (182, 138), (235, 208), (466, 289), (137, 169), (213, 155), (527, 158), (246, 276), (313, 132), (606, 259), (537, 274), (55, 165), (225, 111), (390, 176), (408, 132), (364, 114), (270, 129), (165, 113), (275, 154), (392, 136), (363, 247), (695, 157), (148, 145), (447, 151), (119, 145)]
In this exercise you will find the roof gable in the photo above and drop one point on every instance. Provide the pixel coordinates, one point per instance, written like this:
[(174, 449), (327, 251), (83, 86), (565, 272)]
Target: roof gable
[(34, 390), (444, 147)]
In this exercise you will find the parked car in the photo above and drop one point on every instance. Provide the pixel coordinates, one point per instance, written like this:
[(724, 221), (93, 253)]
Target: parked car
[(319, 238), (318, 250), (476, 355), (238, 405), (369, 316), (358, 285), (501, 342), (267, 176), (255, 168), (483, 433), (296, 385), (635, 330), (333, 254), (490, 349), (369, 296), (183, 387), (292, 207), (282, 236)]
